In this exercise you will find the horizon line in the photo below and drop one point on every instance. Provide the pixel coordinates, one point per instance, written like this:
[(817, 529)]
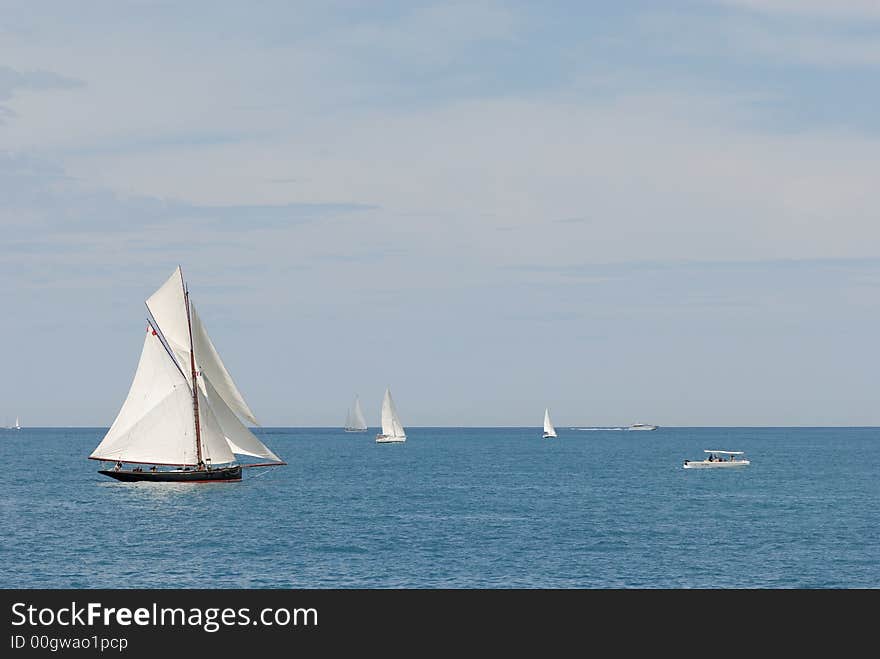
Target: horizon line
[(559, 427)]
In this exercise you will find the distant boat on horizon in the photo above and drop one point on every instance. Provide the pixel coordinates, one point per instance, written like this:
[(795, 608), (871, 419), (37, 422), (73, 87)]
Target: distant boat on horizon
[(392, 429), (642, 426), (614, 428), (355, 421), (549, 430), (17, 425)]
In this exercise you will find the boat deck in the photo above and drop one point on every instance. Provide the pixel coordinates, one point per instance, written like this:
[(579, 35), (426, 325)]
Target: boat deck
[(225, 474)]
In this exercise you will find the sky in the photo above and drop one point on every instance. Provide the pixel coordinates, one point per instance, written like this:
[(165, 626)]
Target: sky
[(626, 212)]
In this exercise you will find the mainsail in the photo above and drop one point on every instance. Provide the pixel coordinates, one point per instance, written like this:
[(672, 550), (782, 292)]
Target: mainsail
[(391, 426), (549, 430), (161, 421), (355, 419), (155, 423)]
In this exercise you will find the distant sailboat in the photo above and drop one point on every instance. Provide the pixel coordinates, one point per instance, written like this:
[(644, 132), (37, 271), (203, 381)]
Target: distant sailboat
[(549, 430), (355, 421), (17, 425), (392, 430), (183, 408)]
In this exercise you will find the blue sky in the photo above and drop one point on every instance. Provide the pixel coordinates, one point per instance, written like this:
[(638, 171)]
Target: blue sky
[(655, 212)]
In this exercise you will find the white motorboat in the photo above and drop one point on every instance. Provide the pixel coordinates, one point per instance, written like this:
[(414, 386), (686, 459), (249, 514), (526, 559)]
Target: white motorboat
[(642, 426), (716, 460)]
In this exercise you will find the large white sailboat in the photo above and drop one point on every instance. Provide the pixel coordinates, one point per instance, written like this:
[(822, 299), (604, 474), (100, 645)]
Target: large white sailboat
[(183, 414), (549, 430), (355, 421), (392, 429)]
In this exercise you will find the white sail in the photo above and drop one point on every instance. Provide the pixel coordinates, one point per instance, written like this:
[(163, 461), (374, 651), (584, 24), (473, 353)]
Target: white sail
[(391, 426), (549, 430), (17, 425), (360, 423), (168, 306), (156, 422), (355, 419), (241, 440), (208, 360), (215, 449), (387, 415)]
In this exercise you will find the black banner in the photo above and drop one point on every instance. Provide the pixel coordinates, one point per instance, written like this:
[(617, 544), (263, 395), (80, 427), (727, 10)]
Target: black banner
[(136, 623)]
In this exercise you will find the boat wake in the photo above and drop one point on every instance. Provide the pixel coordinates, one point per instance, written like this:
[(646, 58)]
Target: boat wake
[(597, 428)]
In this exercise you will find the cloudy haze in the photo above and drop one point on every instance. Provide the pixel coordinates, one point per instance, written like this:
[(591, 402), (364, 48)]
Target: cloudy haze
[(661, 212)]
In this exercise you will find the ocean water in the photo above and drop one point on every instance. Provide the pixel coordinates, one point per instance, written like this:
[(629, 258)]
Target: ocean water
[(456, 508)]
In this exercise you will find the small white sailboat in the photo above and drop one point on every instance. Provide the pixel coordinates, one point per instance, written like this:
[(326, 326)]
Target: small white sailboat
[(392, 429), (17, 425), (183, 408), (355, 421), (549, 430), (717, 461)]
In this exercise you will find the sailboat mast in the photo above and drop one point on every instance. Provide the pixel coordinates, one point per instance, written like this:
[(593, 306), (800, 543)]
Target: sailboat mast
[(195, 384)]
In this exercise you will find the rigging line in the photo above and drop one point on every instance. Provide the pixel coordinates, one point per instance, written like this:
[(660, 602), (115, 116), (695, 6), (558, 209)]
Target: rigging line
[(158, 329), (155, 327)]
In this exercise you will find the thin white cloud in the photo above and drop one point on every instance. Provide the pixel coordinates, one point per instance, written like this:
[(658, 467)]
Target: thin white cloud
[(819, 8), (433, 34), (769, 36), (12, 81), (684, 170), (817, 46), (671, 174)]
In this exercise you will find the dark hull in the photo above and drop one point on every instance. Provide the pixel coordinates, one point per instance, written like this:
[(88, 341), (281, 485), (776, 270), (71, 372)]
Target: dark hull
[(214, 475)]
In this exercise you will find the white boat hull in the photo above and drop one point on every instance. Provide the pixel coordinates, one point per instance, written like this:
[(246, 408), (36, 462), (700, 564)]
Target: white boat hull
[(548, 435), (715, 464), (389, 439)]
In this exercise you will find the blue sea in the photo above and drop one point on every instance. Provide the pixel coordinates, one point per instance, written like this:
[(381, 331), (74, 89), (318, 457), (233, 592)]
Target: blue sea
[(456, 508)]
